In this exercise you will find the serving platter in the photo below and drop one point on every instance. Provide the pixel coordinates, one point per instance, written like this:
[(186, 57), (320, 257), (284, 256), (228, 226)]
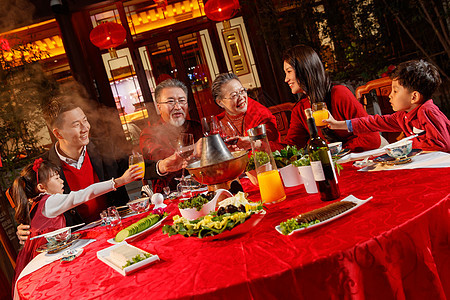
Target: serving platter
[(104, 255), (350, 198), (135, 236), (54, 248), (245, 227)]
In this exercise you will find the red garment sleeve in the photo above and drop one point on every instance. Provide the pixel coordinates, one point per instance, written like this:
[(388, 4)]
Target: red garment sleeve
[(386, 123), (346, 107), (436, 125), (298, 135)]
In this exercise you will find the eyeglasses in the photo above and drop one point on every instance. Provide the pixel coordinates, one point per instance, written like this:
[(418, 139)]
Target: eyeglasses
[(181, 102), (234, 96)]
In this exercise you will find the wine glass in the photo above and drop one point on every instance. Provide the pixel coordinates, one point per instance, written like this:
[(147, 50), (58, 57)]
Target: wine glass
[(137, 159), (185, 148), (229, 133), (210, 125)]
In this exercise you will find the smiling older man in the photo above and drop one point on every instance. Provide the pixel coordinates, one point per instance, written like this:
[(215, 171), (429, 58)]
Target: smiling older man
[(157, 141)]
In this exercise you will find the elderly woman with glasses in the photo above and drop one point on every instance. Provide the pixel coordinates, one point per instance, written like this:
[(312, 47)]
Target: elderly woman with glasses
[(240, 110)]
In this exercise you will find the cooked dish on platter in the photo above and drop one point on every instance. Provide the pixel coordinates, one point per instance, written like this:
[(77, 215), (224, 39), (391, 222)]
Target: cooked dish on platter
[(321, 215), (232, 211)]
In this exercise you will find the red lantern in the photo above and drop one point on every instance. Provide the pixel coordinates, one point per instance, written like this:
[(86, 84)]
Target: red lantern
[(107, 35), (221, 10)]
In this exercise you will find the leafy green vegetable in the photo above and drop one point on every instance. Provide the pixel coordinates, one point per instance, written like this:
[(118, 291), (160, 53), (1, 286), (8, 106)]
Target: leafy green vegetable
[(301, 162), (286, 156), (209, 225), (262, 157), (136, 259), (194, 202), (292, 224)]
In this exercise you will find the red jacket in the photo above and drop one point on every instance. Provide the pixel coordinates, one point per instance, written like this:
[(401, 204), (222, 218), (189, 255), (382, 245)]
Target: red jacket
[(344, 106), (258, 114), (426, 116)]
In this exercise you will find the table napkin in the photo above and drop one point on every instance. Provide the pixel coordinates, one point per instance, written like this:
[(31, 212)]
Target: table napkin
[(424, 160), (45, 258)]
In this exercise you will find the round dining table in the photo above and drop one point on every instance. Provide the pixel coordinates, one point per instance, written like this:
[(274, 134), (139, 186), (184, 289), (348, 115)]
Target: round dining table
[(395, 246)]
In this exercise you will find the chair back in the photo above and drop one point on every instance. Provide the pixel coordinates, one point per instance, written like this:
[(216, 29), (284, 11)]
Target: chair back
[(282, 113), (382, 88)]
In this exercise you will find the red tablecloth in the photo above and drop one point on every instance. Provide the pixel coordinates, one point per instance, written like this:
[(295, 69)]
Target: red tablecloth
[(394, 247)]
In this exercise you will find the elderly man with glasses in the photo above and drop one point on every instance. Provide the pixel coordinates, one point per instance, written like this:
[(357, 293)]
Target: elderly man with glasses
[(158, 140)]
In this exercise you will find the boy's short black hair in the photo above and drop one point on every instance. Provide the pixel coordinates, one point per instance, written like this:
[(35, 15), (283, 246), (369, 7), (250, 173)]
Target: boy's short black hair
[(418, 75)]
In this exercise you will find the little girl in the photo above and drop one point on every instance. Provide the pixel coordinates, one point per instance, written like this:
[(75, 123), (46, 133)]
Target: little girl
[(40, 202)]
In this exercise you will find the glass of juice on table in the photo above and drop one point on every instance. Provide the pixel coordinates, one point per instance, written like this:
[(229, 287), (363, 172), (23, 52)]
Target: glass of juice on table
[(269, 180), (320, 113), (137, 159)]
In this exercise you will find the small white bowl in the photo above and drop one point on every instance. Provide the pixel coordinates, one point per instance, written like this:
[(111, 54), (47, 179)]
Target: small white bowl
[(399, 150), (335, 148), (193, 213), (59, 236)]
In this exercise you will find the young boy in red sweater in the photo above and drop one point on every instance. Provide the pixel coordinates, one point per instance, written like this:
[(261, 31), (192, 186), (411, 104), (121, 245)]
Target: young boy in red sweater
[(413, 83)]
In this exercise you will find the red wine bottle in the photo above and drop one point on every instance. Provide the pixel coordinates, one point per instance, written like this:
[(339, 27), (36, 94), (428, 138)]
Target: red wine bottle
[(321, 162)]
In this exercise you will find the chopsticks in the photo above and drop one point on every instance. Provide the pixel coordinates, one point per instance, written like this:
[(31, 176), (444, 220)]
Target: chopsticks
[(48, 233)]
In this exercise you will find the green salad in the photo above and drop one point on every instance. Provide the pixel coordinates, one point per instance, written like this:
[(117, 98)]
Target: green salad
[(292, 224), (196, 202), (209, 225)]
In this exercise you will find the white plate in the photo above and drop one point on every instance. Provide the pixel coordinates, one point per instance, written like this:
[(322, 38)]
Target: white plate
[(350, 198), (103, 255), (133, 237)]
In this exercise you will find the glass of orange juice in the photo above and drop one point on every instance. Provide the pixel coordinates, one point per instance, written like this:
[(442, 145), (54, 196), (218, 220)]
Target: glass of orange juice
[(320, 112), (137, 159)]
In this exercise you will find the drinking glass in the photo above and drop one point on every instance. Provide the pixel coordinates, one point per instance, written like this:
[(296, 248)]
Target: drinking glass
[(104, 217), (229, 133), (320, 112), (137, 159), (185, 148), (210, 125), (114, 217), (166, 191)]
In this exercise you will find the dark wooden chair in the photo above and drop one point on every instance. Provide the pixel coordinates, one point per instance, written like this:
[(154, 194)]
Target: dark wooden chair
[(382, 88), (282, 113)]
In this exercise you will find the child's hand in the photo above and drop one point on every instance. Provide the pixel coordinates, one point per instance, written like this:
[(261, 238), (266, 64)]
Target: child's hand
[(133, 173), (23, 231), (334, 124)]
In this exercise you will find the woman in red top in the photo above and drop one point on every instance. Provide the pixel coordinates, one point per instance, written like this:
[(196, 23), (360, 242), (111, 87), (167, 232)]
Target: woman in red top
[(306, 77), (243, 112)]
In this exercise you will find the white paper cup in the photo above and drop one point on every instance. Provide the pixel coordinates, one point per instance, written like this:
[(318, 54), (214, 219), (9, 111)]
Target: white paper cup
[(291, 176), (308, 179)]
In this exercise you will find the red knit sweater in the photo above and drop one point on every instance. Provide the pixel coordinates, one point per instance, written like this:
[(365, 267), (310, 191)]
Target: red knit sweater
[(79, 179)]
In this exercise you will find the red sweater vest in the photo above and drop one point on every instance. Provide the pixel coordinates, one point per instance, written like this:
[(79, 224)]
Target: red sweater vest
[(80, 179)]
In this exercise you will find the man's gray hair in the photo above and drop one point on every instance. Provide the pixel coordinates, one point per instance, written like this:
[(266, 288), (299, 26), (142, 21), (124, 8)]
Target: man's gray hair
[(169, 83)]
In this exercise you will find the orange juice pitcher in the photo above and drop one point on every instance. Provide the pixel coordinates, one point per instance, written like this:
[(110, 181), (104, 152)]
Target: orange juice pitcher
[(269, 180)]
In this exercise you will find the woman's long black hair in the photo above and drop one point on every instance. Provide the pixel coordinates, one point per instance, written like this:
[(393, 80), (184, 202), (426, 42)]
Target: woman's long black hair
[(309, 71)]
